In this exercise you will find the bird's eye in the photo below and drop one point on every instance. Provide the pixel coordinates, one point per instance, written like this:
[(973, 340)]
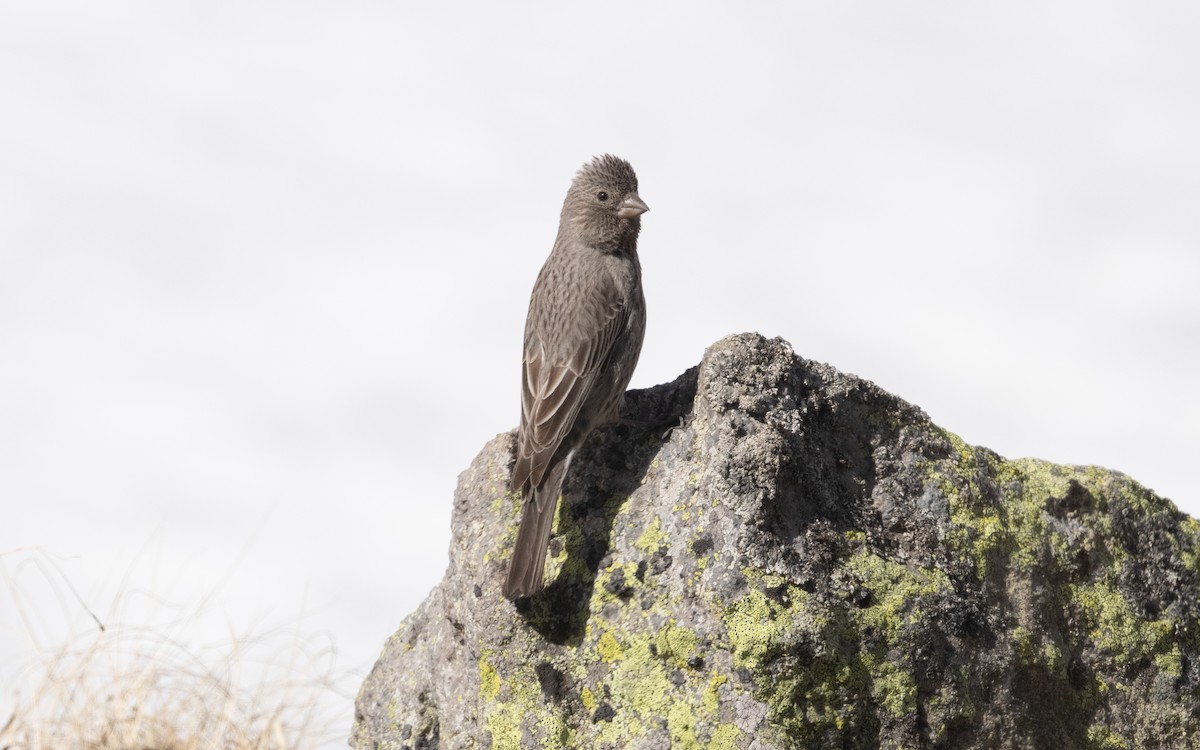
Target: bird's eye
[(602, 196)]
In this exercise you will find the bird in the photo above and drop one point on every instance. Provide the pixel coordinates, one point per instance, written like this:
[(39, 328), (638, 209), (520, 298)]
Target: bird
[(583, 336)]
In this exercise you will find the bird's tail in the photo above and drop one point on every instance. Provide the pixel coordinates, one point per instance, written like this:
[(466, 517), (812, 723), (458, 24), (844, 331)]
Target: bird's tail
[(526, 568)]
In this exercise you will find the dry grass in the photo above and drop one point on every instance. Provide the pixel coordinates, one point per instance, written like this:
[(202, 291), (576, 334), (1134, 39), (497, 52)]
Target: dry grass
[(125, 686)]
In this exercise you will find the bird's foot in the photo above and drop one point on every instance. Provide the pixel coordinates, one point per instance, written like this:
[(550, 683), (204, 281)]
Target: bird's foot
[(650, 424)]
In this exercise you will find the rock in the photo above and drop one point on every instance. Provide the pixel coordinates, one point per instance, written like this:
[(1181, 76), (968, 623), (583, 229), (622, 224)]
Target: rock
[(807, 561)]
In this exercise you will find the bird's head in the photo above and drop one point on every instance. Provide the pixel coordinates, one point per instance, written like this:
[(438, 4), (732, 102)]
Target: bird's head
[(603, 205)]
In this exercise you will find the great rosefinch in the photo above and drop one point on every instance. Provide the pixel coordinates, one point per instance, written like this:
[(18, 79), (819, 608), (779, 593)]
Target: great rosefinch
[(583, 335)]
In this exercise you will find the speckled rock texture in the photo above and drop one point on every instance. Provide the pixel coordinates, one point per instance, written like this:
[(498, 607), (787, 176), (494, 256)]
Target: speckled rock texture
[(805, 562)]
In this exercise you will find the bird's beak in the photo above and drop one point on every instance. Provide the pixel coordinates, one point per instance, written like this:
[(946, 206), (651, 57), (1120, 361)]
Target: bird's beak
[(632, 206)]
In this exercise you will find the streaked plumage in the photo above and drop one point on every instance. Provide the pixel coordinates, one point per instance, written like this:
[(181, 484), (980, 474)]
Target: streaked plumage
[(583, 334)]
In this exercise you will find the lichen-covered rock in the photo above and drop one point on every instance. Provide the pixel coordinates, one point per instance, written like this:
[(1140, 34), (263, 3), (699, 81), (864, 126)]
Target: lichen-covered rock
[(805, 562)]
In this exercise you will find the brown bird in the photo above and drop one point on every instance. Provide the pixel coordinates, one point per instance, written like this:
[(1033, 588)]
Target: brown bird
[(583, 334)]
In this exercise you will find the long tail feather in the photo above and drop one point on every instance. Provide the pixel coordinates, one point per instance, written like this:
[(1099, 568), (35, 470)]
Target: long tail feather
[(527, 566)]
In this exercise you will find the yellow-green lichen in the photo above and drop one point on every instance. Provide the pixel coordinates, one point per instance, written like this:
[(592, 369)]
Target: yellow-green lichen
[(827, 673), (503, 723), (556, 733), (489, 678), (681, 723), (711, 696), (724, 737), (1170, 662), (640, 684), (836, 667), (615, 583), (522, 707), (976, 527), (1027, 488), (652, 537), (1038, 650), (675, 644), (570, 564), (1010, 529), (1117, 630), (1190, 553), (897, 592), (638, 675), (1100, 737), (753, 628), (505, 504), (809, 669), (895, 689), (608, 648), (1023, 640)]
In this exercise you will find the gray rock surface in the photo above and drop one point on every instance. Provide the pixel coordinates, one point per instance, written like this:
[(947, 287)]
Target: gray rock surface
[(807, 561)]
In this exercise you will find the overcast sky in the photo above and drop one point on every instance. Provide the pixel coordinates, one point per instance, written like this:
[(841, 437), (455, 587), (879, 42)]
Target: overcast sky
[(264, 266)]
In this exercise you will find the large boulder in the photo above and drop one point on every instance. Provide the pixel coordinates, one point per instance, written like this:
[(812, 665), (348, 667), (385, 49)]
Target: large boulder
[(804, 561)]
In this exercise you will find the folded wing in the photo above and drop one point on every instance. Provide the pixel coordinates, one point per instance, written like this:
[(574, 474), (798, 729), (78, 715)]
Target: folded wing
[(560, 370)]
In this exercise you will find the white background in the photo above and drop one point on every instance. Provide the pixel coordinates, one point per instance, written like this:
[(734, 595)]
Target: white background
[(264, 266)]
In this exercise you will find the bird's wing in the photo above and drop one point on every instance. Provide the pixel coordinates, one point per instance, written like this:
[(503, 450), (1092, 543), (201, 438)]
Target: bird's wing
[(556, 381)]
